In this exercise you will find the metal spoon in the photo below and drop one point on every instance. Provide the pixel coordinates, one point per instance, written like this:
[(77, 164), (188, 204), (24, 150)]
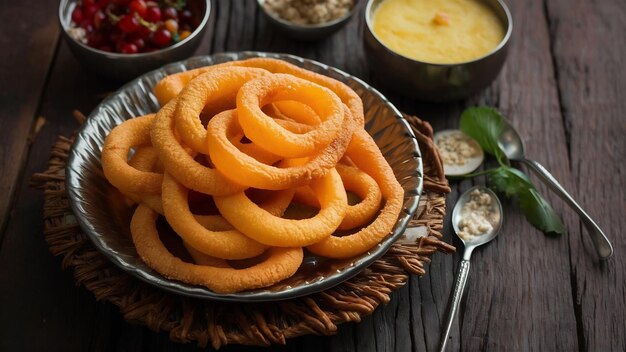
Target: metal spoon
[(469, 245), (513, 147)]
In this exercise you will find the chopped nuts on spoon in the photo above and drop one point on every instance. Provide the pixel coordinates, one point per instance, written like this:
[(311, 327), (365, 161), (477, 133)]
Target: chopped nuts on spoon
[(477, 215)]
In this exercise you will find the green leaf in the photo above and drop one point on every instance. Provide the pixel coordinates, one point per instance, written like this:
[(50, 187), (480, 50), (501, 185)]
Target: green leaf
[(484, 124), (514, 183), (509, 181), (539, 212)]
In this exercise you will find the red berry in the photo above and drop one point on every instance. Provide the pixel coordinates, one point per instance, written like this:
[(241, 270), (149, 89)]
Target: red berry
[(99, 18), (77, 15), (120, 2), (162, 37), (128, 24), (139, 7), (144, 33), (153, 14), (87, 3), (140, 43), (129, 48), (185, 16), (170, 12), (89, 11), (103, 3)]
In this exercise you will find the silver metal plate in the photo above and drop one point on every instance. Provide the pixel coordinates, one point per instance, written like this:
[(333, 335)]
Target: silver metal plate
[(105, 218)]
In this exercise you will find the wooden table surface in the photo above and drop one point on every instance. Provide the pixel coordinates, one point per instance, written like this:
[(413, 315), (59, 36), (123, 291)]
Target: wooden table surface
[(563, 87)]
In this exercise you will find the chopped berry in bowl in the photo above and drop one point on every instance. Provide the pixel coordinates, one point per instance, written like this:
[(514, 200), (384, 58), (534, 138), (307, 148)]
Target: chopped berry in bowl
[(121, 39)]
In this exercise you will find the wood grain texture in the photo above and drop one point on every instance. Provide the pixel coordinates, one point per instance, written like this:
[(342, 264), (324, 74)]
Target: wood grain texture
[(52, 313), (588, 56), (562, 87), (27, 51), (518, 292)]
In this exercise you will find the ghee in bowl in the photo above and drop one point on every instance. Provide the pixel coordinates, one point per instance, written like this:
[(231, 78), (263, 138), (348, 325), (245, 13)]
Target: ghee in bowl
[(436, 50), (438, 31)]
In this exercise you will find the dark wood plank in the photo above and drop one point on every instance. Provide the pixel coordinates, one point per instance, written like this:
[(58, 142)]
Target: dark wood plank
[(499, 310), (28, 49), (518, 297), (589, 47), (41, 307), (242, 25), (520, 290)]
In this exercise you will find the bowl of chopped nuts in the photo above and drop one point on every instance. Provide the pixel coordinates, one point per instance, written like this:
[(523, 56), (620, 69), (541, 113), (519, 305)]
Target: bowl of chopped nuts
[(308, 19)]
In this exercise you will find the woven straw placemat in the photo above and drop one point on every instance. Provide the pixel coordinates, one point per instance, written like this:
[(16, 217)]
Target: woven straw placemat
[(263, 324)]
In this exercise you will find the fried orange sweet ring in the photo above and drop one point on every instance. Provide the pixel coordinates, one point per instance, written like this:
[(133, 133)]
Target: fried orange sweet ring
[(280, 263), (180, 164), (229, 244), (362, 185), (271, 230), (364, 152), (244, 169), (203, 259), (213, 222), (345, 93), (262, 155), (145, 159), (169, 87), (367, 189), (297, 111), (215, 87), (265, 132), (117, 145)]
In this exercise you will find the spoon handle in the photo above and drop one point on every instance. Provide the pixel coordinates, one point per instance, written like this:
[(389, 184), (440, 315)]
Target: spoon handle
[(600, 241), (457, 294)]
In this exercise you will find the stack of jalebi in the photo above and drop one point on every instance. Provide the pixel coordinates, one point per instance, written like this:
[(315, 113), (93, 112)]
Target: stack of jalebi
[(276, 135)]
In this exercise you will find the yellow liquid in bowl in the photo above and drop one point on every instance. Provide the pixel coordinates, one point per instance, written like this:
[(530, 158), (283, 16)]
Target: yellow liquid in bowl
[(438, 31)]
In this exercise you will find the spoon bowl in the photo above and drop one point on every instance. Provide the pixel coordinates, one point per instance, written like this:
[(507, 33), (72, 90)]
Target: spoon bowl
[(457, 215), (511, 143)]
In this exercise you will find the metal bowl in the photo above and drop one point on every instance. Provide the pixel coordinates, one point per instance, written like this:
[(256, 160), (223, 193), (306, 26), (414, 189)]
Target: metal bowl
[(435, 82), (307, 32), (123, 67)]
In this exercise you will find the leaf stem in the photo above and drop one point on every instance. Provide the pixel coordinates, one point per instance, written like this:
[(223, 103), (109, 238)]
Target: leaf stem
[(479, 173)]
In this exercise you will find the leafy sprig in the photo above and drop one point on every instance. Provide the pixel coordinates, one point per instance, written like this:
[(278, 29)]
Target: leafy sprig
[(485, 125)]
